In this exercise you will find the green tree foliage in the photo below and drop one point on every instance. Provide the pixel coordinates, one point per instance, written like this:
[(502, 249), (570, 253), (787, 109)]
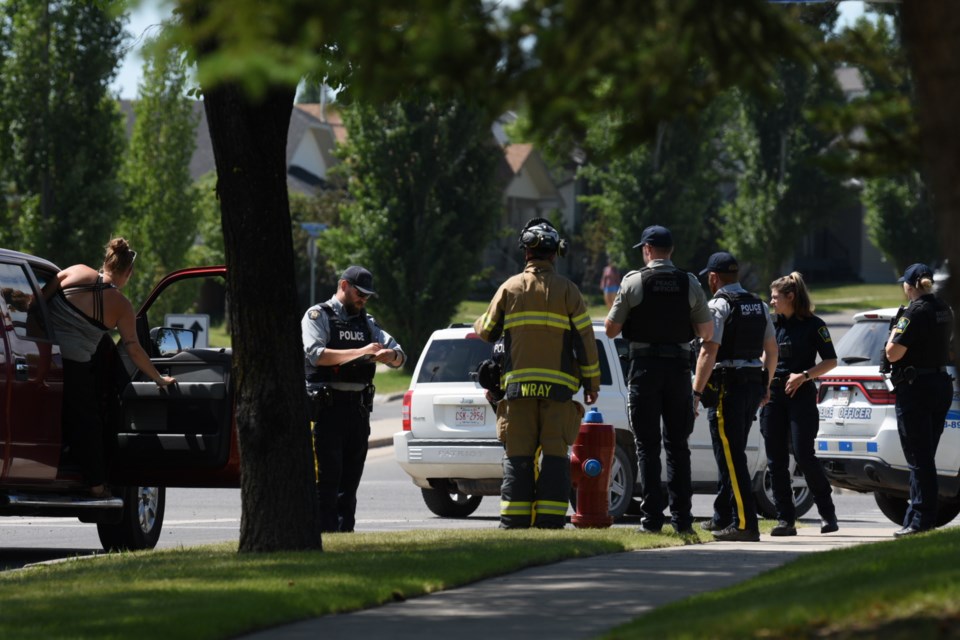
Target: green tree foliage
[(62, 137), (877, 138), (160, 201), (670, 181), (781, 191), (423, 179), (900, 220)]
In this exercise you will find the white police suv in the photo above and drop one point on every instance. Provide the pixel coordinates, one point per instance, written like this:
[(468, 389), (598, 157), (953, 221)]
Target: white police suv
[(858, 442)]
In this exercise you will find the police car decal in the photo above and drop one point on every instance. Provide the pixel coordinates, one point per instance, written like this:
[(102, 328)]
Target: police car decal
[(902, 324), (824, 334)]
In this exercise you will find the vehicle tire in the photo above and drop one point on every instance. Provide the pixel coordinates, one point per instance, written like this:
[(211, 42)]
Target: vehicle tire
[(621, 483), (802, 496), (140, 524), (895, 508), (450, 505)]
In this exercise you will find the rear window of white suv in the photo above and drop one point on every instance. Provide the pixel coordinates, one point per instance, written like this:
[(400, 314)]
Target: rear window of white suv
[(863, 344), (453, 360)]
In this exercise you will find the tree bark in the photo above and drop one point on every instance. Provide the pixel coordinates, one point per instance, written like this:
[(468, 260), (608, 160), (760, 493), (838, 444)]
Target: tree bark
[(279, 506), (931, 32)]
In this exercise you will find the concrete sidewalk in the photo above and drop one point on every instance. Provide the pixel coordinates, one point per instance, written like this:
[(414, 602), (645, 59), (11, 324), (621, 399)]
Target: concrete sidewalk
[(579, 598)]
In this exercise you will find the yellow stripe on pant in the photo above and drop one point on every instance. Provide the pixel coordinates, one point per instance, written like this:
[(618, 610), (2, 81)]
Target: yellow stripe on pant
[(515, 508), (728, 458), (550, 508)]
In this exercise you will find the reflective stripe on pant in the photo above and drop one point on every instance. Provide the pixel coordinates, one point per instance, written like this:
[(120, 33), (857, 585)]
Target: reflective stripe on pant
[(730, 422), (517, 492)]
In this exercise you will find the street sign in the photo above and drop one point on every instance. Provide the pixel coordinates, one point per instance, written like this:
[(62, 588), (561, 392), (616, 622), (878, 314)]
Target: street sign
[(199, 323), (313, 229)]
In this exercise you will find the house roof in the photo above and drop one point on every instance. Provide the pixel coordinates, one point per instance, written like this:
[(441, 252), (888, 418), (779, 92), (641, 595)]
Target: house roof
[(517, 155), (327, 114)]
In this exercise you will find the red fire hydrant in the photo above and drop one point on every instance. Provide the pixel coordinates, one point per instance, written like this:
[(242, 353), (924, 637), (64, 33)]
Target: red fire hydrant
[(590, 463)]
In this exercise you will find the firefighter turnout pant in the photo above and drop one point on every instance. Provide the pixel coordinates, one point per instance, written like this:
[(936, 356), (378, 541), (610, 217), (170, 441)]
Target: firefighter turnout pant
[(529, 427)]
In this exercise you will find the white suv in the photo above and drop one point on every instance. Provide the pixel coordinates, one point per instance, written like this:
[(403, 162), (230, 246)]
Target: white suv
[(858, 442), (449, 443)]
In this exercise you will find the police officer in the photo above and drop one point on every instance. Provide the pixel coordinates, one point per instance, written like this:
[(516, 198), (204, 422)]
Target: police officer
[(790, 419), (660, 309), (549, 352), (732, 381), (919, 349), (342, 346)]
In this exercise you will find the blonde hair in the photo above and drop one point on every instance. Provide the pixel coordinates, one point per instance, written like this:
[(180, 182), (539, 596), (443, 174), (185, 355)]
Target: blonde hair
[(119, 256), (793, 283), (925, 284)]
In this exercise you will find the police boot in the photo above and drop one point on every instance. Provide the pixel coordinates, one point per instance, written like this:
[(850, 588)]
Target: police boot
[(516, 492), (553, 493)]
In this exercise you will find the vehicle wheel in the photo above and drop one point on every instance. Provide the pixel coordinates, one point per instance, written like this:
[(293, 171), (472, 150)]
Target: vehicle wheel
[(621, 483), (802, 496), (946, 512), (895, 508), (139, 526), (450, 505)]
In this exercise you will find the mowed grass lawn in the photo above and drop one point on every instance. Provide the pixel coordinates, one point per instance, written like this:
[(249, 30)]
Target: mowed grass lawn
[(907, 589)]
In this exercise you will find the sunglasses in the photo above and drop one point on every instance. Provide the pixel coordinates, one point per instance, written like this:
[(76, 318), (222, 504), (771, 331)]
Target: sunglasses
[(360, 294)]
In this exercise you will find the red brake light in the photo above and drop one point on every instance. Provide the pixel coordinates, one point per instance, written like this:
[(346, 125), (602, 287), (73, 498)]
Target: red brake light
[(405, 410), (874, 389), (472, 336)]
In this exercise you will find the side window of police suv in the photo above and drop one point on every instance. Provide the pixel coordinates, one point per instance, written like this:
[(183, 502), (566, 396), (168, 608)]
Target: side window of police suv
[(453, 360)]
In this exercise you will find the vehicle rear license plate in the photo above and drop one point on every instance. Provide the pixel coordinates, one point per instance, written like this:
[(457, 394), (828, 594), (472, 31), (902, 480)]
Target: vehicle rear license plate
[(841, 397), (470, 416)]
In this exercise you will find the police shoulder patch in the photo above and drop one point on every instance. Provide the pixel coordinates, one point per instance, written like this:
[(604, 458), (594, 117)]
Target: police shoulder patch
[(824, 334), (313, 314), (902, 324)]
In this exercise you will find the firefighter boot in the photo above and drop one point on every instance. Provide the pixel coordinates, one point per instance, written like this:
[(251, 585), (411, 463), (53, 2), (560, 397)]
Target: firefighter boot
[(516, 493), (553, 493)]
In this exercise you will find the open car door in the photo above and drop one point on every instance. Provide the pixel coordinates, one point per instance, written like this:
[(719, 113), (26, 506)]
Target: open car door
[(182, 435)]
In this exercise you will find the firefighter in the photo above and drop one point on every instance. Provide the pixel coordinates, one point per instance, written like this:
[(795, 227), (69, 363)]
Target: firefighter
[(342, 346), (660, 309), (732, 381), (919, 350), (549, 352)]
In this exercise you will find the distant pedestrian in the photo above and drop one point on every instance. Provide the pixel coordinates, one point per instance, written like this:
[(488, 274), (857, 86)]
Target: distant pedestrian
[(919, 349), (549, 352), (660, 310), (732, 382), (790, 420), (342, 346), (610, 283)]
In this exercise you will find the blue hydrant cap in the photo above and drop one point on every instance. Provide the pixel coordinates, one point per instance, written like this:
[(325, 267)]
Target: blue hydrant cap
[(593, 415), (592, 467)]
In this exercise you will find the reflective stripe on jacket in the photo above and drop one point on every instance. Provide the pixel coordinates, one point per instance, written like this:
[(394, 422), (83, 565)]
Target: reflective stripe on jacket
[(550, 348)]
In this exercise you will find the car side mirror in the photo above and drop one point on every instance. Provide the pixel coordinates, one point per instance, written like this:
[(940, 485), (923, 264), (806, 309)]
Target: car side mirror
[(169, 341)]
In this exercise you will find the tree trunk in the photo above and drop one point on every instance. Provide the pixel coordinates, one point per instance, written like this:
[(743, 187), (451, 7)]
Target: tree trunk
[(931, 33), (279, 506)]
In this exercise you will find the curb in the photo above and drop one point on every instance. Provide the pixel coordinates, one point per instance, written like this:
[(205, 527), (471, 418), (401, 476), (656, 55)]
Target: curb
[(375, 443)]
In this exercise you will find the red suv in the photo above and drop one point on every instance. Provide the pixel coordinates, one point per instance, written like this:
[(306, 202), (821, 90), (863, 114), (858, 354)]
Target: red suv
[(183, 436)]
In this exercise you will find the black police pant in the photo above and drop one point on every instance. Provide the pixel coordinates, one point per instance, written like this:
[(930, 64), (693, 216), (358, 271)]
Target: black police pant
[(739, 396), (340, 438), (661, 388), (921, 411), (792, 422)]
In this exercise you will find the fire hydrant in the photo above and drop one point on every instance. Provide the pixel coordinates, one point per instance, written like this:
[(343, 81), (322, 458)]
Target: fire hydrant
[(590, 463)]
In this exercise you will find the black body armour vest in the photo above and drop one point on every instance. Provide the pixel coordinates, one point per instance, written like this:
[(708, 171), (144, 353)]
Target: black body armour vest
[(934, 349), (663, 315), (344, 334), (745, 327)]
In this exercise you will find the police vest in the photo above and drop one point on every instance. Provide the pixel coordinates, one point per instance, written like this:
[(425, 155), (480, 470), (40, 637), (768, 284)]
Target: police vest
[(932, 347), (663, 315), (744, 328), (352, 333)]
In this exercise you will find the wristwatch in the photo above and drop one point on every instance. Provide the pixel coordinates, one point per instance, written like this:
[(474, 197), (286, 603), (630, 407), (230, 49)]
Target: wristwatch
[(806, 375), (697, 394)]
